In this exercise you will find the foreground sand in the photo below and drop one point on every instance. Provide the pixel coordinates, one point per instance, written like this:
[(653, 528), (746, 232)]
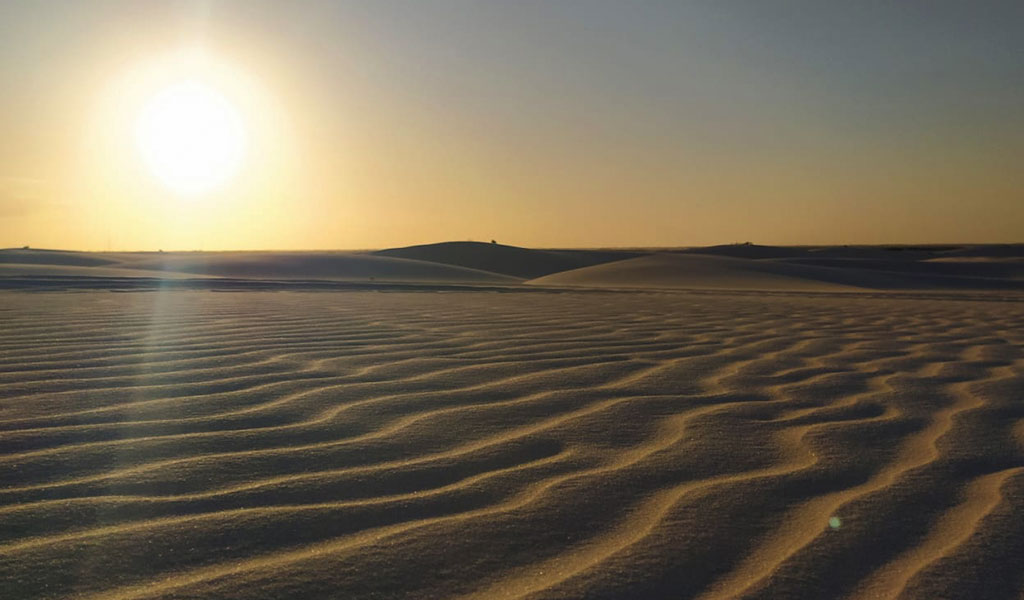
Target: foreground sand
[(186, 444)]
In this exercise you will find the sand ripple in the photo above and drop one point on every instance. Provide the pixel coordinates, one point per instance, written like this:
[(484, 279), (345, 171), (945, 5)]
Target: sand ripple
[(188, 444)]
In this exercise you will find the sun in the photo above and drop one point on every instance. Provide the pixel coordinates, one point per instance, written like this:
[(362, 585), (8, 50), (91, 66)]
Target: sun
[(191, 137)]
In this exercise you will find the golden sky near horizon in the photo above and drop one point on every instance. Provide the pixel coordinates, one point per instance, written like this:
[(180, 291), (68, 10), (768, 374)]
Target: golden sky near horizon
[(574, 124)]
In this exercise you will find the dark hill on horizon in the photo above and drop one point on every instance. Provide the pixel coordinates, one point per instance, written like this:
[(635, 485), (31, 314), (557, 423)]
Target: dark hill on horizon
[(891, 252)]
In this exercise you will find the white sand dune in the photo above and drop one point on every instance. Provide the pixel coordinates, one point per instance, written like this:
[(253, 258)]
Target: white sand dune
[(902, 253), (190, 444), (524, 263), (36, 270), (989, 268), (693, 271), (697, 271), (336, 266), (27, 256), (989, 251), (314, 265), (737, 266)]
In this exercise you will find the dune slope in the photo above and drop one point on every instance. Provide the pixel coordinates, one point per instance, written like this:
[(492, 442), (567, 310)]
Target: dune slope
[(312, 265), (696, 271), (670, 270), (508, 260), (44, 271), (26, 256)]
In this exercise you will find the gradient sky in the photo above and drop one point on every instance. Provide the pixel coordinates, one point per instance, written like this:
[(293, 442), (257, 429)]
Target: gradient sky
[(536, 123)]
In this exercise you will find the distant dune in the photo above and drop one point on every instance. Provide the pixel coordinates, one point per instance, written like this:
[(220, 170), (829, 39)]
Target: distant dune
[(694, 271), (752, 251), (25, 256), (940, 267), (718, 272), (337, 266), (890, 253), (507, 260), (316, 265), (990, 251), (45, 271), (736, 266)]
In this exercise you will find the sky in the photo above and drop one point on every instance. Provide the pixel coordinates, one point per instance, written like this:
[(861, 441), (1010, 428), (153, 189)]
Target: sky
[(559, 123)]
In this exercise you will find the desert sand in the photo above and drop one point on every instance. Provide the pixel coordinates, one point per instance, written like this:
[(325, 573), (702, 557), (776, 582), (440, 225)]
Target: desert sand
[(482, 421)]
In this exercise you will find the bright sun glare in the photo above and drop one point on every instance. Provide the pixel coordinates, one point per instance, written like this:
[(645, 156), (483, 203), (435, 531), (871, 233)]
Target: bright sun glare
[(191, 137)]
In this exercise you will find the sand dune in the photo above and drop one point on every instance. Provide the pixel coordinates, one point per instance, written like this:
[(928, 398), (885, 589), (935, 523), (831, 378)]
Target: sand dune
[(48, 271), (340, 266), (989, 251), (478, 445), (940, 268), (26, 256), (507, 260), (736, 266), (670, 270), (314, 265), (879, 253), (692, 271), (751, 251)]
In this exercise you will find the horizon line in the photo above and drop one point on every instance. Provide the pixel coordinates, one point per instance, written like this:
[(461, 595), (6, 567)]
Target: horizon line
[(928, 245)]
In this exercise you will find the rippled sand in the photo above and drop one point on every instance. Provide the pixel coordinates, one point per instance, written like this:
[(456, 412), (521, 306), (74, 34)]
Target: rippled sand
[(508, 445)]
